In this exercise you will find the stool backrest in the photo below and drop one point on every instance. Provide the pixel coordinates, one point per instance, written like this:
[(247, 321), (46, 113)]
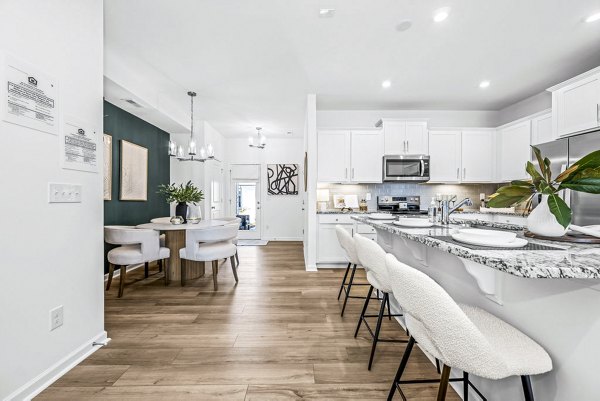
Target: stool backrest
[(129, 235), (347, 243), (234, 221), (161, 220), (212, 234), (371, 257), (457, 340)]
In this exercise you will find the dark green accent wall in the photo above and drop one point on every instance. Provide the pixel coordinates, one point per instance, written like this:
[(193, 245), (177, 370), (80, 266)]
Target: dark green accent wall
[(122, 125)]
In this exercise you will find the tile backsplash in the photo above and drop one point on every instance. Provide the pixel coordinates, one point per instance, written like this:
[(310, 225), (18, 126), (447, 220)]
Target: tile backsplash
[(425, 191)]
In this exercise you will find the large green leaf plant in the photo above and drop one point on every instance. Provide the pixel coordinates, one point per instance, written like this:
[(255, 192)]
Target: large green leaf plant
[(582, 176), (180, 193)]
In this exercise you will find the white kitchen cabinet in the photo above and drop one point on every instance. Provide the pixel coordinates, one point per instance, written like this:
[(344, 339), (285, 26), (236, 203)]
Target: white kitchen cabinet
[(513, 151), (328, 246), (345, 156), (478, 156), (445, 157), (366, 156), (576, 104), (541, 129), (333, 156), (405, 137)]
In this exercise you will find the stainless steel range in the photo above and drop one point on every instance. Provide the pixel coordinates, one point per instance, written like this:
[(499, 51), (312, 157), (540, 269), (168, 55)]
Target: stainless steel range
[(400, 204)]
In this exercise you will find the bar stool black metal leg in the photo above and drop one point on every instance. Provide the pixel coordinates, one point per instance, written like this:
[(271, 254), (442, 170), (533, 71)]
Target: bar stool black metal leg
[(402, 367), (465, 386), (344, 280), (377, 329), (527, 389), (146, 270), (389, 310), (348, 290), (364, 310)]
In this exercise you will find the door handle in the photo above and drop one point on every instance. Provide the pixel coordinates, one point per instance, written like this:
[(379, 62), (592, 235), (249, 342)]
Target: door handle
[(422, 168)]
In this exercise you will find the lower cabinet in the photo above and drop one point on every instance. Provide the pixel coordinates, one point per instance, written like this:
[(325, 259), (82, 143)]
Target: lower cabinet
[(328, 246)]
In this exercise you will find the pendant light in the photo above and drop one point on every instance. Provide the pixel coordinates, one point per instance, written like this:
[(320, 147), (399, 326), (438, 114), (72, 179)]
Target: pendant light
[(262, 140), (177, 151)]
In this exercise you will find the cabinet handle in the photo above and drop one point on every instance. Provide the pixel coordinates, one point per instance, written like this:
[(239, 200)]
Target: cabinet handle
[(457, 172), (352, 172), (404, 146), (598, 112), (407, 146), (346, 173), (464, 172)]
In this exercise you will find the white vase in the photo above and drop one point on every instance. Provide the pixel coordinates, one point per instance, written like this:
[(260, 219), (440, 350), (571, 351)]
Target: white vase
[(542, 222)]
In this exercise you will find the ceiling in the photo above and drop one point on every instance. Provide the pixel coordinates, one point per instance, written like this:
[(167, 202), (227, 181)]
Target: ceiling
[(253, 62)]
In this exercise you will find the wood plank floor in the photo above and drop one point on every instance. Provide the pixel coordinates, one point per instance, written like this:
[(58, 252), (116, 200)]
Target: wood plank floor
[(277, 335)]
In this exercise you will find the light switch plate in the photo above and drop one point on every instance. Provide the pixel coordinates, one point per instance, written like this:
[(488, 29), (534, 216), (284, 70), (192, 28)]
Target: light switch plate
[(56, 317), (368, 197), (64, 193)]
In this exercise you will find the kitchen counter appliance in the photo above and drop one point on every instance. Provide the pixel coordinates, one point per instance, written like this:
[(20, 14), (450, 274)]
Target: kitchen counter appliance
[(400, 204)]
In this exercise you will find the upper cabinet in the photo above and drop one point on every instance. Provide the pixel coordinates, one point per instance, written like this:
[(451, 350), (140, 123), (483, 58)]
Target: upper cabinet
[(576, 104), (466, 156), (513, 150), (350, 156), (541, 129), (405, 137)]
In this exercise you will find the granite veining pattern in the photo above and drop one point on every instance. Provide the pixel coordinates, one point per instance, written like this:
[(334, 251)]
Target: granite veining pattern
[(580, 261)]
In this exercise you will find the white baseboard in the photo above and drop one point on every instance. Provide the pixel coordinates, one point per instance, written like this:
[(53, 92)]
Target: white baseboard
[(311, 268), (295, 239), (54, 372)]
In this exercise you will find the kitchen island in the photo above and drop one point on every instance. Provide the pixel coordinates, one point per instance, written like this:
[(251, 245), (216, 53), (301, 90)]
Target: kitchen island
[(552, 295)]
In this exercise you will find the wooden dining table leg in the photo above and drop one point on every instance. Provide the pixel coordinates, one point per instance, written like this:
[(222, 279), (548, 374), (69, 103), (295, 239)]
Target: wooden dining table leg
[(175, 240)]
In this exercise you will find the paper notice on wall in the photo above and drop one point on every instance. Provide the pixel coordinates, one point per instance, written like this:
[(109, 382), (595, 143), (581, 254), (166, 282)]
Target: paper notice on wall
[(29, 97), (79, 146)]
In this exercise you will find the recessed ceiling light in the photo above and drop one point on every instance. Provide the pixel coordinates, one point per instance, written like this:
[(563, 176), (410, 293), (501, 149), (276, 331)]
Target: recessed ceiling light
[(386, 84), (326, 12), (484, 84), (404, 25), (594, 17), (441, 14)]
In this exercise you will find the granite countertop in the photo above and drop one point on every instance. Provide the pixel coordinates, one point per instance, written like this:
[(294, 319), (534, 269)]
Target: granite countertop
[(571, 261), (477, 211), (339, 211)]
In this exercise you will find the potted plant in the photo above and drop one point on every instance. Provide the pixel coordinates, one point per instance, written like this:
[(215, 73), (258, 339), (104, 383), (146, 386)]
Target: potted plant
[(551, 218), (182, 195)]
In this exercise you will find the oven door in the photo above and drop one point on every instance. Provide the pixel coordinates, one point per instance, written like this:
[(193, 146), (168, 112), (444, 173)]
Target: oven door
[(406, 168)]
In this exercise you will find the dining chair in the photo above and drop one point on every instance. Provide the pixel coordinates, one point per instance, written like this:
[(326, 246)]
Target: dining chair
[(136, 246), (209, 245), (162, 238), (463, 337), (234, 221)]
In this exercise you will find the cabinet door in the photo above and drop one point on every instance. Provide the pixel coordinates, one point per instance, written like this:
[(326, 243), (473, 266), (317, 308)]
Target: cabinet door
[(576, 106), (416, 138), (395, 137), (444, 150), (541, 129), (367, 157), (513, 151), (333, 156), (328, 247), (478, 159)]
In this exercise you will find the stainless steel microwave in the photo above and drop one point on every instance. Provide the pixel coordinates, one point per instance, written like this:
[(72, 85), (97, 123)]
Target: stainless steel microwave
[(413, 168)]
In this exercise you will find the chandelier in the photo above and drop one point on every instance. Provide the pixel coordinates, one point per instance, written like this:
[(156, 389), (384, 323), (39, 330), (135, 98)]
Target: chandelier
[(262, 141), (192, 154)]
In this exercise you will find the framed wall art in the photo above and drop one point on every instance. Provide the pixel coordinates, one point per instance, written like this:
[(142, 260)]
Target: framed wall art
[(282, 179), (134, 172)]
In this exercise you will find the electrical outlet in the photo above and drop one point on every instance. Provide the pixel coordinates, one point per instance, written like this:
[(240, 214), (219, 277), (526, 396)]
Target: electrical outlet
[(368, 197), (56, 317)]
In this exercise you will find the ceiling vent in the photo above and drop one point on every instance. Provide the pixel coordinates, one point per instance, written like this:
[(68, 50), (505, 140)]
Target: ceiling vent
[(133, 103)]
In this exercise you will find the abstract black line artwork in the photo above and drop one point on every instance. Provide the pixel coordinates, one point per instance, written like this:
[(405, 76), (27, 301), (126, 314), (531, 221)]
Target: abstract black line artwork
[(282, 179)]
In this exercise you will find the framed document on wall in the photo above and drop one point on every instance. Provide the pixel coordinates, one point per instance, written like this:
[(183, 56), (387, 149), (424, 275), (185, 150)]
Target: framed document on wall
[(134, 172), (107, 171)]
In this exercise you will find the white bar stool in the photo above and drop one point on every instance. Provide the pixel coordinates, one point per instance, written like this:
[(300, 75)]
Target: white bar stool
[(460, 336), (137, 246), (347, 243), (210, 245), (372, 259)]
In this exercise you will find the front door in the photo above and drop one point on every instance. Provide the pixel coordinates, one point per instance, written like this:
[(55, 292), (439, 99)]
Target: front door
[(246, 198)]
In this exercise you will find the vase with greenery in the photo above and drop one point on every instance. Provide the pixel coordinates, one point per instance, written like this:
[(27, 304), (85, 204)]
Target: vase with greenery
[(182, 194), (552, 216)]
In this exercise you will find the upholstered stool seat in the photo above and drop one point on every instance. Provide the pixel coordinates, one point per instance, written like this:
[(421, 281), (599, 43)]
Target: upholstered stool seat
[(347, 243), (209, 251), (461, 336)]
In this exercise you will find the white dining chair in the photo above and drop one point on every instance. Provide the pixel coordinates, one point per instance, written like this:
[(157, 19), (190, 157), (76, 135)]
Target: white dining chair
[(210, 245), (234, 221), (162, 238), (136, 246), (461, 336)]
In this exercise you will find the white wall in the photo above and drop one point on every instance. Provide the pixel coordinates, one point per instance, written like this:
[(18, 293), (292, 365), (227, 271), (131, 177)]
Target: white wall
[(52, 254), (281, 215), (524, 108), (436, 118)]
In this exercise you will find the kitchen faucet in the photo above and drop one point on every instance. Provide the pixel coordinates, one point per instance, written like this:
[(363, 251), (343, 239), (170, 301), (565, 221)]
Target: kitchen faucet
[(447, 210)]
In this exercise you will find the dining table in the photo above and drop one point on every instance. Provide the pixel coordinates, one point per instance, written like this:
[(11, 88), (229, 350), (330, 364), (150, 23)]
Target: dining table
[(175, 240)]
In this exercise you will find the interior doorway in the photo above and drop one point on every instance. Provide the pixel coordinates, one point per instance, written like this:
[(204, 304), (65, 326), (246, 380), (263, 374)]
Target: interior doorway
[(246, 204)]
